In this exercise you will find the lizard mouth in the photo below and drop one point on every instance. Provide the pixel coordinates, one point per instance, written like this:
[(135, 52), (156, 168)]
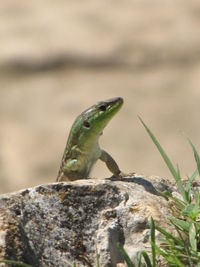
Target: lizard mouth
[(97, 116), (113, 102)]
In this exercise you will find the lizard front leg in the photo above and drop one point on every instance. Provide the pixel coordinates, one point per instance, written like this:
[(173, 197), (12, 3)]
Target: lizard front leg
[(110, 162)]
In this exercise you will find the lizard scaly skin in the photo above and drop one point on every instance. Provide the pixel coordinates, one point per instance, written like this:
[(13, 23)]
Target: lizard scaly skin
[(82, 149)]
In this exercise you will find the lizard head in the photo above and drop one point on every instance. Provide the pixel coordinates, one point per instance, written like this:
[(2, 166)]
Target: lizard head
[(91, 122), (95, 118)]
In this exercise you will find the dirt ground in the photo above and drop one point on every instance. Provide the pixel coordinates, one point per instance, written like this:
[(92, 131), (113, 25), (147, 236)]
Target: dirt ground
[(59, 57)]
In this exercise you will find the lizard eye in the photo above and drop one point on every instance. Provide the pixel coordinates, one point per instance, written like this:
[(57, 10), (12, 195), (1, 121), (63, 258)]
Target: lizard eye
[(86, 124), (102, 108)]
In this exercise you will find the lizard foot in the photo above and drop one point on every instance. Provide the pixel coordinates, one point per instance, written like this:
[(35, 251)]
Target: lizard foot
[(121, 176)]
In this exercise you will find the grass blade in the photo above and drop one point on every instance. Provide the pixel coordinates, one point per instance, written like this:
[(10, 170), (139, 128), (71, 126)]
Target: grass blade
[(192, 237), (192, 211), (161, 251), (97, 258), (170, 166), (191, 180), (169, 236), (161, 150), (146, 258), (15, 263), (183, 225), (152, 226), (139, 259), (197, 197), (125, 255), (196, 155), (189, 184), (170, 258)]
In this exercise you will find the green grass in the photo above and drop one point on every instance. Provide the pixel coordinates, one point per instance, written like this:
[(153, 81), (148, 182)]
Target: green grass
[(15, 263), (183, 248)]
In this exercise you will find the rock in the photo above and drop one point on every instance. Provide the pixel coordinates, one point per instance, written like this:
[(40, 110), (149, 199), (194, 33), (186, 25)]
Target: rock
[(62, 223)]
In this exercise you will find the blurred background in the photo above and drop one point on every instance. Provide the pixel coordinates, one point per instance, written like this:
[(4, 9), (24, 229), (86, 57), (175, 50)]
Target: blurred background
[(59, 57)]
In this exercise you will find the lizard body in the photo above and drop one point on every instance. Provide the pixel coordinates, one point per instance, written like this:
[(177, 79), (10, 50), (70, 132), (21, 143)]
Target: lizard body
[(82, 149)]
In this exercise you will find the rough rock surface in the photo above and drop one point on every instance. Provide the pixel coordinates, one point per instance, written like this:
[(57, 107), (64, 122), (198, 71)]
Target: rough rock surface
[(61, 223)]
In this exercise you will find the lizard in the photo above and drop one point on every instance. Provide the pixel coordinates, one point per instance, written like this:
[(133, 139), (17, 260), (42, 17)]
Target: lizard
[(82, 149)]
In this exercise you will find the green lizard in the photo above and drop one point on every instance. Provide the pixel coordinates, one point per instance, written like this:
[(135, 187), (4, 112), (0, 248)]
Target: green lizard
[(82, 149)]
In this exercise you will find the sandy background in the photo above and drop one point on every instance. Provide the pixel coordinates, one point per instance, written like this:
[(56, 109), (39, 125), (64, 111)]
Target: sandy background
[(59, 57)]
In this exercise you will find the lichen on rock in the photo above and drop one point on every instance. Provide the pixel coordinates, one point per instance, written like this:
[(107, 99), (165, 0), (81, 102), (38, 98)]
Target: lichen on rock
[(62, 223)]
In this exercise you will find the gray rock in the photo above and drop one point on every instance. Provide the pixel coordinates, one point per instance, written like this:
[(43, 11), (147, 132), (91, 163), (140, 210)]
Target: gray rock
[(62, 223)]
